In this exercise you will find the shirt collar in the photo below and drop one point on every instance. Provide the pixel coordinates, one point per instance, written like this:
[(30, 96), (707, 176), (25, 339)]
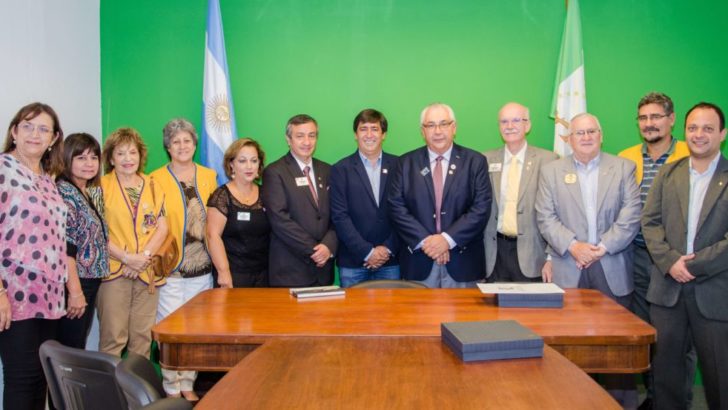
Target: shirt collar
[(433, 155), (520, 155), (711, 168), (669, 151), (365, 160), (302, 164), (590, 165)]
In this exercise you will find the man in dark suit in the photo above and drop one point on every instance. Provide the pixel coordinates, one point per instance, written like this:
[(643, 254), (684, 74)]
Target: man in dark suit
[(439, 204), (367, 243), (296, 199), (515, 251), (685, 226)]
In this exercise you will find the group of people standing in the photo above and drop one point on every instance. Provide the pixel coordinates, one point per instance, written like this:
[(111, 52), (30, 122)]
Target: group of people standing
[(442, 214)]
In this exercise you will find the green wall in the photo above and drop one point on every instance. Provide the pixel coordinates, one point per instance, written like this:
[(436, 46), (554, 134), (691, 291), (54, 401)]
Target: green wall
[(332, 58)]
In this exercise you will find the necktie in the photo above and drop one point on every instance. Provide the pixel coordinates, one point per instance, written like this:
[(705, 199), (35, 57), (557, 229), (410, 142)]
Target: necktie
[(437, 181), (306, 171), (510, 213)]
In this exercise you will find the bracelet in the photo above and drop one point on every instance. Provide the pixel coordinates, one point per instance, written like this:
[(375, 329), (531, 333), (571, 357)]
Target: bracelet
[(124, 259), (77, 295)]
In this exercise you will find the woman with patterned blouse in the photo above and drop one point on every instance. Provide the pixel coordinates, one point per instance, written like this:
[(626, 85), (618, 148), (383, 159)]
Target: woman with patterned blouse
[(238, 232), (86, 236), (127, 300), (32, 251), (186, 187)]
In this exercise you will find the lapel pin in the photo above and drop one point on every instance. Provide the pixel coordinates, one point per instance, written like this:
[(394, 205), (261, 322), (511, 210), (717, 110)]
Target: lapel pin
[(321, 186), (452, 166), (425, 171), (570, 178), (384, 170), (720, 183), (450, 172)]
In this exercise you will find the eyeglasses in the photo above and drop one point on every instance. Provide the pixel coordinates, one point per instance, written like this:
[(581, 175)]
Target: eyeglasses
[(514, 121), (653, 117), (591, 132), (707, 129), (431, 126), (29, 128)]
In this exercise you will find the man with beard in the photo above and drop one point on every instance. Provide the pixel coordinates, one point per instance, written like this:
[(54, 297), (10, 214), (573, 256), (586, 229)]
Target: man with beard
[(656, 118)]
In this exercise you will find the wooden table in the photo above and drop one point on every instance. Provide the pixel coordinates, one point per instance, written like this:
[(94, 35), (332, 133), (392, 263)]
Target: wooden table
[(398, 373), (218, 327)]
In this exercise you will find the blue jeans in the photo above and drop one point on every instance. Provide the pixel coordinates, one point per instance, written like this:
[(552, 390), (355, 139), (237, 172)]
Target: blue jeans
[(352, 276)]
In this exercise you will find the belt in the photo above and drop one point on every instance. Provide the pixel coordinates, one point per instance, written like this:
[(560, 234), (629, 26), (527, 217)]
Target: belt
[(506, 237)]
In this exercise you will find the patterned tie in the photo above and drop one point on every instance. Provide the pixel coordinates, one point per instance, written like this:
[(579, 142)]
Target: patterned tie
[(437, 181), (306, 171), (510, 213)]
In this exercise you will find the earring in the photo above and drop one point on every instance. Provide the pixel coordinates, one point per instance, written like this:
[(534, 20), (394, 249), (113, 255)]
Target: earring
[(49, 148)]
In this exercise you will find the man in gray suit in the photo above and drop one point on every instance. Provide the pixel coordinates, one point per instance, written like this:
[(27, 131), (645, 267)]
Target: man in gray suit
[(588, 210), (685, 226), (514, 248)]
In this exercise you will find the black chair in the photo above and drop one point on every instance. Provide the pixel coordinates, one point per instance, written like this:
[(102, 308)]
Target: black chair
[(80, 379), (389, 284), (169, 403), (139, 381)]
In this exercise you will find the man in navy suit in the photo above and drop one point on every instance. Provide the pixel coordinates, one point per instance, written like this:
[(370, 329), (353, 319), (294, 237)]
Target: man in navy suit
[(296, 198), (367, 243), (439, 204)]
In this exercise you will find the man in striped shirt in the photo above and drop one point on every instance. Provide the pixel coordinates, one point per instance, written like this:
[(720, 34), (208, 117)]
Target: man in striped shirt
[(655, 118)]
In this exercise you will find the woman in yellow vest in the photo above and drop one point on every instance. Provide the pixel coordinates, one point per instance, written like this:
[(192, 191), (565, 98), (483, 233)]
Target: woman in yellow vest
[(186, 187), (137, 227)]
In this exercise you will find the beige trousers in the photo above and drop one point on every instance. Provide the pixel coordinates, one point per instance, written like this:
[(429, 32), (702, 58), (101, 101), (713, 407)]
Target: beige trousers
[(126, 316)]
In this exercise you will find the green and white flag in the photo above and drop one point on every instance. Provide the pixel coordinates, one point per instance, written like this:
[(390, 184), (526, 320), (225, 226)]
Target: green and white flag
[(569, 90)]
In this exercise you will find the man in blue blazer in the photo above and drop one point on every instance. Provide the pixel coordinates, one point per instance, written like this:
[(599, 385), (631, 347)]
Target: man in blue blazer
[(367, 243), (439, 205)]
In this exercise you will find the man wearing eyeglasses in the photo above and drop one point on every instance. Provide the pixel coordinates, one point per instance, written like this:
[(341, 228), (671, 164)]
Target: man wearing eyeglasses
[(514, 248), (439, 204), (588, 210), (684, 223), (655, 119)]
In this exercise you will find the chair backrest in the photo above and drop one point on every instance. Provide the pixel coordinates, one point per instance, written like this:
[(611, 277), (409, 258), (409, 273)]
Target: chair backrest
[(80, 379), (169, 403), (389, 284), (139, 381)]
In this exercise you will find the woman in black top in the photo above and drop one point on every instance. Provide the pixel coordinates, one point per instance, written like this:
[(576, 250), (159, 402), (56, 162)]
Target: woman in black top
[(238, 232)]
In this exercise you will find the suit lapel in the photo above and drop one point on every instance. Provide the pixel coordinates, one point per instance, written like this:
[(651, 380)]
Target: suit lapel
[(387, 167), (605, 177), (321, 191), (716, 186), (527, 172), (682, 185), (456, 162), (423, 167), (572, 187), (362, 172), (497, 176)]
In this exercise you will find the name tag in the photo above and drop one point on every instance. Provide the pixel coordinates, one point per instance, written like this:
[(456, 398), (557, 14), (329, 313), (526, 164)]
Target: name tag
[(301, 181), (497, 167), (243, 216)]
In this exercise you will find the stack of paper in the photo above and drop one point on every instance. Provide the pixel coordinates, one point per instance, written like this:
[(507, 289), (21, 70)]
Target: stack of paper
[(546, 295), (491, 340), (317, 292)]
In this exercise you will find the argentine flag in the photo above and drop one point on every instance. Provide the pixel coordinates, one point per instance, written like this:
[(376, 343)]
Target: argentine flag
[(569, 91), (218, 119)]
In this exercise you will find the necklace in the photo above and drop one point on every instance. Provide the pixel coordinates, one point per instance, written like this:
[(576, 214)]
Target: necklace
[(38, 170)]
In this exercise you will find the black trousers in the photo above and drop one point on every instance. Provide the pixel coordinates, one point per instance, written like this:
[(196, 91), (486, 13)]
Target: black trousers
[(25, 385), (677, 327), (74, 332), (506, 267)]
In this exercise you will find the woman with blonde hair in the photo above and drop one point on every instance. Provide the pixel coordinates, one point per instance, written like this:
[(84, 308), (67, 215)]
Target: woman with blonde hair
[(238, 231), (127, 300)]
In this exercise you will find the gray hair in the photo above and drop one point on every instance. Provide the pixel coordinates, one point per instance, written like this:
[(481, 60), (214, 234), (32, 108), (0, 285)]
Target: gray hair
[(175, 126), (584, 115), (447, 108)]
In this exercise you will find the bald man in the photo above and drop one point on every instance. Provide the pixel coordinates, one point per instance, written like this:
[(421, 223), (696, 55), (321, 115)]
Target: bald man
[(515, 251)]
